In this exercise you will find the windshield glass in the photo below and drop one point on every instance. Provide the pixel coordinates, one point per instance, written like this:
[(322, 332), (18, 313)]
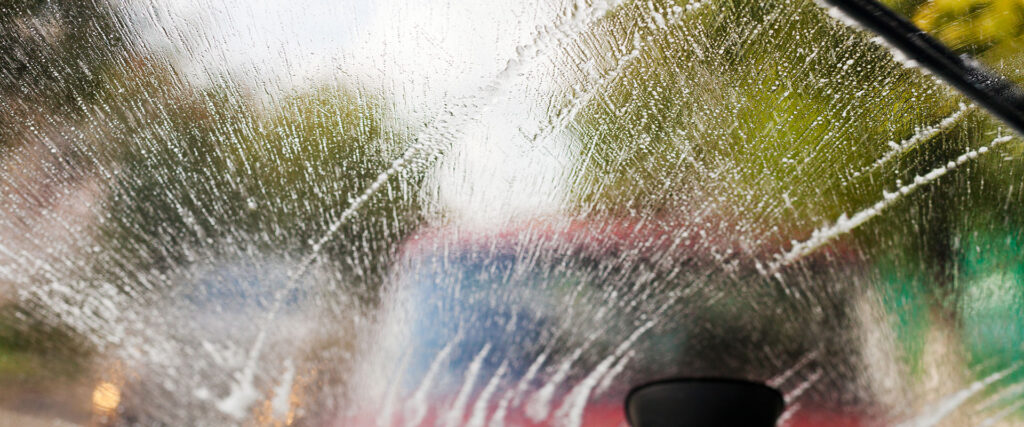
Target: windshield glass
[(456, 212)]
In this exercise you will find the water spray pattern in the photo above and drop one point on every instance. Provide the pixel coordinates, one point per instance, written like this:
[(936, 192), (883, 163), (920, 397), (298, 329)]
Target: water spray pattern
[(255, 215)]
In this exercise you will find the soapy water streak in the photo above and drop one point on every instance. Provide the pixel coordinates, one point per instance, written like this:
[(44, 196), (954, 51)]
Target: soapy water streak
[(780, 379), (792, 405), (940, 410), (571, 411), (801, 388), (514, 395), (455, 414), (479, 413), (785, 417), (582, 98), (845, 224), (922, 135), (1003, 413), (1012, 392), (417, 408), (620, 366)]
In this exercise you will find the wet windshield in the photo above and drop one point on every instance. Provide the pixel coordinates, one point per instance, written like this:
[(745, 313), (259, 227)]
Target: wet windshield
[(456, 212)]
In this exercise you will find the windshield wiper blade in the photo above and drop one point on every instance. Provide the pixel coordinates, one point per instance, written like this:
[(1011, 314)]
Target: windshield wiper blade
[(993, 92)]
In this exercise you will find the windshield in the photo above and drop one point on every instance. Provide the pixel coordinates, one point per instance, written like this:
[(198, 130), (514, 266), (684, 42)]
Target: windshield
[(456, 212)]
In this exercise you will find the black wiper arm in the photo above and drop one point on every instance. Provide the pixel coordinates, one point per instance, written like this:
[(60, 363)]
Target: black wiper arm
[(995, 93)]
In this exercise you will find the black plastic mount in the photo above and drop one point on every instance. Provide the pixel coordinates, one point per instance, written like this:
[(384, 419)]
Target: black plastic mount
[(704, 402)]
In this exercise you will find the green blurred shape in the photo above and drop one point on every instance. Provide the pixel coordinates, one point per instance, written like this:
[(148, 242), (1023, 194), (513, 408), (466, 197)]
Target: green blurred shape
[(905, 295), (32, 352), (993, 298), (985, 310)]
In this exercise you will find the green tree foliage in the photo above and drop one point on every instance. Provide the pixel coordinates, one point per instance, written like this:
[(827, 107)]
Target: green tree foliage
[(768, 114), (207, 171)]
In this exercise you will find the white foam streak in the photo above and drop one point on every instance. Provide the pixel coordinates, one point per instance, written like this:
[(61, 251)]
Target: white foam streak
[(614, 372), (804, 386), (243, 391), (570, 414), (934, 414), (783, 377), (479, 415), (922, 135), (845, 224), (1005, 412), (540, 403), (418, 403), (282, 393), (454, 416)]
